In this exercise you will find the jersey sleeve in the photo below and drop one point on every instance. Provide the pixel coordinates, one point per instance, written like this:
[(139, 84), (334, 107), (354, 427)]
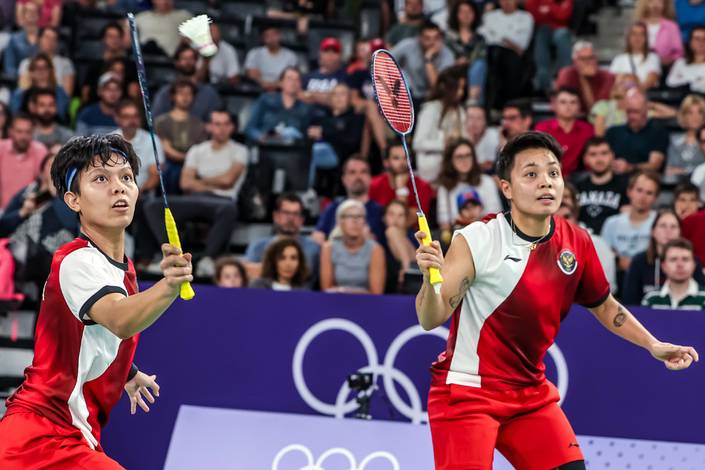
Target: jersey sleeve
[(477, 236), (593, 288), (86, 277)]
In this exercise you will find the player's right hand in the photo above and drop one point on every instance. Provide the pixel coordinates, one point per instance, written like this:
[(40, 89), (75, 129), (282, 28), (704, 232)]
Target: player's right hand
[(177, 269), (428, 256)]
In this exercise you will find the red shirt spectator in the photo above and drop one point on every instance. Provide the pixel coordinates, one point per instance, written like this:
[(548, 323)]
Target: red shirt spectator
[(693, 228), (553, 13), (593, 84), (20, 158)]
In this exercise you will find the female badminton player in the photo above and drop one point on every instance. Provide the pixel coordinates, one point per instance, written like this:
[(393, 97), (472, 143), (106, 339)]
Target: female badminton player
[(89, 319), (508, 282)]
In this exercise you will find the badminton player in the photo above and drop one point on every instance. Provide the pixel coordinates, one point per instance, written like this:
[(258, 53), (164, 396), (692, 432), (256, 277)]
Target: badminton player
[(89, 320), (509, 280)]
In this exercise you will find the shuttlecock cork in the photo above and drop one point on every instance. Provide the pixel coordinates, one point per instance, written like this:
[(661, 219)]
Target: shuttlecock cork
[(198, 31)]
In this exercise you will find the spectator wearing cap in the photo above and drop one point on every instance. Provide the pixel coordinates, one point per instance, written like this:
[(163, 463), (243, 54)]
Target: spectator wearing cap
[(470, 209), (586, 76), (205, 101), (99, 118), (680, 291), (318, 84), (409, 25), (422, 58), (160, 26), (265, 64)]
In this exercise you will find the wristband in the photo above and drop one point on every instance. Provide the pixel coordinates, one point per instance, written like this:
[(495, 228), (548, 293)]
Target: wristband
[(133, 372)]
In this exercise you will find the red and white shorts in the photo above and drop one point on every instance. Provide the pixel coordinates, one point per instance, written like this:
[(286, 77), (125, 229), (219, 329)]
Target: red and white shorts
[(527, 426), (29, 441)]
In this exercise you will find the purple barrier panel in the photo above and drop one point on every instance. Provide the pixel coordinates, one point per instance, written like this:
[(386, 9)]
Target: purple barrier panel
[(244, 348)]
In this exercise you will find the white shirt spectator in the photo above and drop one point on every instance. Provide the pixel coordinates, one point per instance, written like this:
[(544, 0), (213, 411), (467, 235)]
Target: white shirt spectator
[(63, 67), (625, 238), (270, 65), (431, 136), (517, 27), (142, 144), (225, 64), (687, 74), (486, 149), (161, 28), (636, 64), (209, 162), (447, 201)]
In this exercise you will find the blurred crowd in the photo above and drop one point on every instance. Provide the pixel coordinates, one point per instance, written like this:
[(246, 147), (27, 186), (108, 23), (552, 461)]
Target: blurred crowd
[(281, 172)]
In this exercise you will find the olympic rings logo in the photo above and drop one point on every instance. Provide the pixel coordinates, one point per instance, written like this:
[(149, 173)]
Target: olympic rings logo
[(390, 374), (318, 464)]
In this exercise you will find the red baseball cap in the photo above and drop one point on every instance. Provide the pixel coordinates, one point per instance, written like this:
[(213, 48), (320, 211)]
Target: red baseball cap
[(330, 43)]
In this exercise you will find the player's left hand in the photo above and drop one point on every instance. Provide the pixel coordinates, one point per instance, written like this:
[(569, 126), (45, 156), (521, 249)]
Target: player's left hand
[(673, 356), (138, 389)]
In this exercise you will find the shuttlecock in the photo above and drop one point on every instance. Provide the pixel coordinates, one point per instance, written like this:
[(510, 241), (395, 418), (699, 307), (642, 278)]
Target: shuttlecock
[(198, 31)]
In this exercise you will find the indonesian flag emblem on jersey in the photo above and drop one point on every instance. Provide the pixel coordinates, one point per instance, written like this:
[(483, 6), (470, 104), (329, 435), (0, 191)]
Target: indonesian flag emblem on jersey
[(79, 367), (512, 312)]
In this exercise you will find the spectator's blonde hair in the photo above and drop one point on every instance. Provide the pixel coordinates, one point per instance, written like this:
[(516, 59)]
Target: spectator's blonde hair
[(669, 10), (687, 103), (344, 206)]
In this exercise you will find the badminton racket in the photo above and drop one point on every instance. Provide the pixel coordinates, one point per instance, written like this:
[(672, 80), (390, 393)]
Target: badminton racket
[(394, 100), (186, 291)]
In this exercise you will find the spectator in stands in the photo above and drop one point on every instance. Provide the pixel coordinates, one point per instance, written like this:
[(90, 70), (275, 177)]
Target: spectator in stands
[(42, 107), (224, 66), (5, 120), (20, 158), (283, 267), (318, 84), (49, 12), (23, 43), (684, 153), (686, 200), (641, 143), (664, 33), (99, 118), (398, 242), (689, 15), (229, 272), (356, 181), (551, 22), (460, 173), (585, 75), (508, 33), (41, 72), (409, 25), (484, 139), (159, 27), (569, 209), (64, 72), (680, 291), (601, 192), (645, 273), (350, 261), (178, 130), (211, 179), (567, 129), (265, 64), (336, 133), (690, 70), (610, 112), (693, 228), (628, 232), (442, 119), (282, 115), (468, 46), (288, 219), (516, 119), (394, 183), (422, 58), (698, 176), (637, 60), (206, 99)]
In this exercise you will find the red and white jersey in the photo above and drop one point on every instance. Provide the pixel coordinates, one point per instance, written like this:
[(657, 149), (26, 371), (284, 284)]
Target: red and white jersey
[(512, 312), (79, 367)]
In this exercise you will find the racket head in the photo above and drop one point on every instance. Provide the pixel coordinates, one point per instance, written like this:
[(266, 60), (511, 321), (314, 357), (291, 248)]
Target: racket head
[(391, 91)]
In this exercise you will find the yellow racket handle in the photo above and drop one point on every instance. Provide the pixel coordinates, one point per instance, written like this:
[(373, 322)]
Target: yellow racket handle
[(436, 278), (186, 291)]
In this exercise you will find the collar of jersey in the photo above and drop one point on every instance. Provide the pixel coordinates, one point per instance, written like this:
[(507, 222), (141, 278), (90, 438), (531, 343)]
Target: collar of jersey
[(117, 264), (529, 238)]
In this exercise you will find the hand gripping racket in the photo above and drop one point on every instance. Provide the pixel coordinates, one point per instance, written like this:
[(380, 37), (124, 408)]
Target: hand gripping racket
[(186, 292), (394, 100)]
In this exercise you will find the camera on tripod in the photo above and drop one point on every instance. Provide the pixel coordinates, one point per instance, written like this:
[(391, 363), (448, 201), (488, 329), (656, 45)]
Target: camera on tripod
[(363, 384)]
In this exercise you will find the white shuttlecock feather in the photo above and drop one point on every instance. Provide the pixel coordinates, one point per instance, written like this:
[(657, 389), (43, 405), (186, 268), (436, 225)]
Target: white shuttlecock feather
[(198, 31)]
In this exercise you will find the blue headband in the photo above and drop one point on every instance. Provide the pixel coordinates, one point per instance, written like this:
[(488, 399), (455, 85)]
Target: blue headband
[(71, 174)]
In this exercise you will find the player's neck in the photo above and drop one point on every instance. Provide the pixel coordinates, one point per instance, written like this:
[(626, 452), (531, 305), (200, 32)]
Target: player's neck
[(110, 243), (533, 226)]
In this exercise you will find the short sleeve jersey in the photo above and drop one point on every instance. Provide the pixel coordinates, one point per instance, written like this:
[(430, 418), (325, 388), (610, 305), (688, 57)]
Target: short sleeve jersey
[(79, 367), (511, 313)]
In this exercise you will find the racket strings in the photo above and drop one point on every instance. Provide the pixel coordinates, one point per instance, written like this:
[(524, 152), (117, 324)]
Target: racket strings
[(392, 93)]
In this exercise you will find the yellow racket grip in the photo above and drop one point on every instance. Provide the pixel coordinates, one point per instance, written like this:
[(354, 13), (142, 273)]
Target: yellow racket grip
[(436, 278), (186, 291)]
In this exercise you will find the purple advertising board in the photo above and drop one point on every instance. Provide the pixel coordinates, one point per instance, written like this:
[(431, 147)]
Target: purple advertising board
[(292, 352)]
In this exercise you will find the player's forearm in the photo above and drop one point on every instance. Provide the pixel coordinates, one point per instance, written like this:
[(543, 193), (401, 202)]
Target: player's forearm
[(431, 310), (135, 313), (620, 321)]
